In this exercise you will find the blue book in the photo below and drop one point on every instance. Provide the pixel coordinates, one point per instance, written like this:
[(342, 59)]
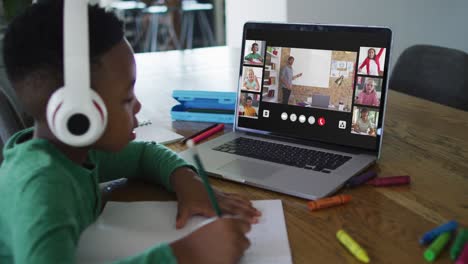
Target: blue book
[(204, 106)]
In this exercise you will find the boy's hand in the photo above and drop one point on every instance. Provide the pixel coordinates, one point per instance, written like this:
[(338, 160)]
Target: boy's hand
[(222, 241), (193, 200)]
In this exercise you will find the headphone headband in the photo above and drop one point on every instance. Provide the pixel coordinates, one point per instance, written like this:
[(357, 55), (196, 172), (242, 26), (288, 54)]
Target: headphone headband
[(76, 48), (76, 114)]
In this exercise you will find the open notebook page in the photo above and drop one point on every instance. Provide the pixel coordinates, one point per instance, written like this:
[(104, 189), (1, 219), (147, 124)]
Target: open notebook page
[(148, 131), (125, 229)]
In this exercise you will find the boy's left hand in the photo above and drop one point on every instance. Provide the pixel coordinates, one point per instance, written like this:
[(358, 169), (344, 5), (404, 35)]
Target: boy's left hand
[(193, 200)]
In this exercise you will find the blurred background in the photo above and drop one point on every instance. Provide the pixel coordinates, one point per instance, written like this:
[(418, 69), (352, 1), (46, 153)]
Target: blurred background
[(159, 25)]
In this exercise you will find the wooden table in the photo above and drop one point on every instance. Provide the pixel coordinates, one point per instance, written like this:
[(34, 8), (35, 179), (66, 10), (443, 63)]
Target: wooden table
[(422, 139)]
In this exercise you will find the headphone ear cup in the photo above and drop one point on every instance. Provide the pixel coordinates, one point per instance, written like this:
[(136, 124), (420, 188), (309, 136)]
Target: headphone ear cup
[(80, 122)]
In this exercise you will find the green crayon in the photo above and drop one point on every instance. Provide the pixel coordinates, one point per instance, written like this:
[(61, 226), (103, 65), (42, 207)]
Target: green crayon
[(457, 246), (436, 247)]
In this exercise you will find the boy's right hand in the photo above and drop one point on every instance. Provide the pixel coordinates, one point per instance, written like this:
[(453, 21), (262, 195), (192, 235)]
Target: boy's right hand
[(221, 241)]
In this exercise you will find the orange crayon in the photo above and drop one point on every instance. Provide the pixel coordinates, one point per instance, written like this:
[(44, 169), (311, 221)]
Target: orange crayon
[(329, 202)]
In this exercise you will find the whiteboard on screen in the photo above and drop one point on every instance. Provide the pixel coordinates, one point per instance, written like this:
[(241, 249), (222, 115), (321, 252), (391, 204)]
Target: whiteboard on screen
[(314, 66)]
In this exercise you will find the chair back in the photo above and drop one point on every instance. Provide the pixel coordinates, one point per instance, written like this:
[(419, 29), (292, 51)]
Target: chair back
[(434, 73)]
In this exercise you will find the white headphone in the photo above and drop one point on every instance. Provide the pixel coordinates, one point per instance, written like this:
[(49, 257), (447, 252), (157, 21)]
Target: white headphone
[(76, 114)]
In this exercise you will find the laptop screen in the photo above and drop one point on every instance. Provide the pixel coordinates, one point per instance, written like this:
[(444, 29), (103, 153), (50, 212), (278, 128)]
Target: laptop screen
[(314, 82)]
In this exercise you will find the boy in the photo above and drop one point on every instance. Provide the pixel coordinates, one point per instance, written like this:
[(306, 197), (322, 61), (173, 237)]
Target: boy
[(50, 190), (254, 57), (248, 109)]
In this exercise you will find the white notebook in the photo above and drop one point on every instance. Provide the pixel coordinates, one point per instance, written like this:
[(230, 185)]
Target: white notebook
[(126, 229), (147, 131)]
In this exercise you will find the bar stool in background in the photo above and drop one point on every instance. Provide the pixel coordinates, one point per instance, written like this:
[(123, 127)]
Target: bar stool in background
[(190, 9), (131, 12), (158, 14)]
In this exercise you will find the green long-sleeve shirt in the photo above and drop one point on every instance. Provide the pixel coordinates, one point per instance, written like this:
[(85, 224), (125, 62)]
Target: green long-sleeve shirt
[(47, 200)]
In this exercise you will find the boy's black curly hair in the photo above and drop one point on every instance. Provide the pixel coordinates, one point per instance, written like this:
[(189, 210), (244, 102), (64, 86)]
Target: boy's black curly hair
[(34, 39), (33, 46)]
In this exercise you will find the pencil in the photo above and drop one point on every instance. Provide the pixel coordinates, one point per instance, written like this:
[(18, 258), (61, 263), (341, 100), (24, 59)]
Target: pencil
[(198, 133), (201, 172)]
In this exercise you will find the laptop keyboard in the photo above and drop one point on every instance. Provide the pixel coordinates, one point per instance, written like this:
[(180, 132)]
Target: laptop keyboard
[(284, 154)]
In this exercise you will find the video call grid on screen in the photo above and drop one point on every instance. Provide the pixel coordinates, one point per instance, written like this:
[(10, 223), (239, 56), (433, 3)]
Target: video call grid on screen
[(334, 90)]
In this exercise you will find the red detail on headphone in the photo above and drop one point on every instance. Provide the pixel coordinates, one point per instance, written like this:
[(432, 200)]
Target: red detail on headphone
[(55, 112), (99, 109)]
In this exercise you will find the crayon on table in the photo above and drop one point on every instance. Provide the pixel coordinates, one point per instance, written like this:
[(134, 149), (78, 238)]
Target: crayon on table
[(463, 258), (352, 246), (328, 202), (198, 133), (457, 246), (436, 247), (110, 186), (208, 133), (361, 179), (430, 235), (390, 181)]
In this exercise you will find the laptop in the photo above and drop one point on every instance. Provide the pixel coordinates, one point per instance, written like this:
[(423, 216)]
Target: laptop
[(308, 152), (319, 100)]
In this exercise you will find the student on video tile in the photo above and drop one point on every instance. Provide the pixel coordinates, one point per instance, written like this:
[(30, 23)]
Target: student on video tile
[(248, 109), (363, 125), (286, 77), (251, 82), (368, 95), (371, 65), (254, 57)]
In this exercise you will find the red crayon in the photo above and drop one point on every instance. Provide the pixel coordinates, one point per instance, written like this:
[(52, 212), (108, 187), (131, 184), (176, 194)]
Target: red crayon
[(463, 258), (390, 181), (198, 133), (208, 133)]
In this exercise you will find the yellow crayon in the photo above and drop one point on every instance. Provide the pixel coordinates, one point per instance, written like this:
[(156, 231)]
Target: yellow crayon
[(352, 246)]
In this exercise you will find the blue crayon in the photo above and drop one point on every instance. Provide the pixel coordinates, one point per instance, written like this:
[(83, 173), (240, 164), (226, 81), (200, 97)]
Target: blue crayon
[(360, 179), (429, 236)]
